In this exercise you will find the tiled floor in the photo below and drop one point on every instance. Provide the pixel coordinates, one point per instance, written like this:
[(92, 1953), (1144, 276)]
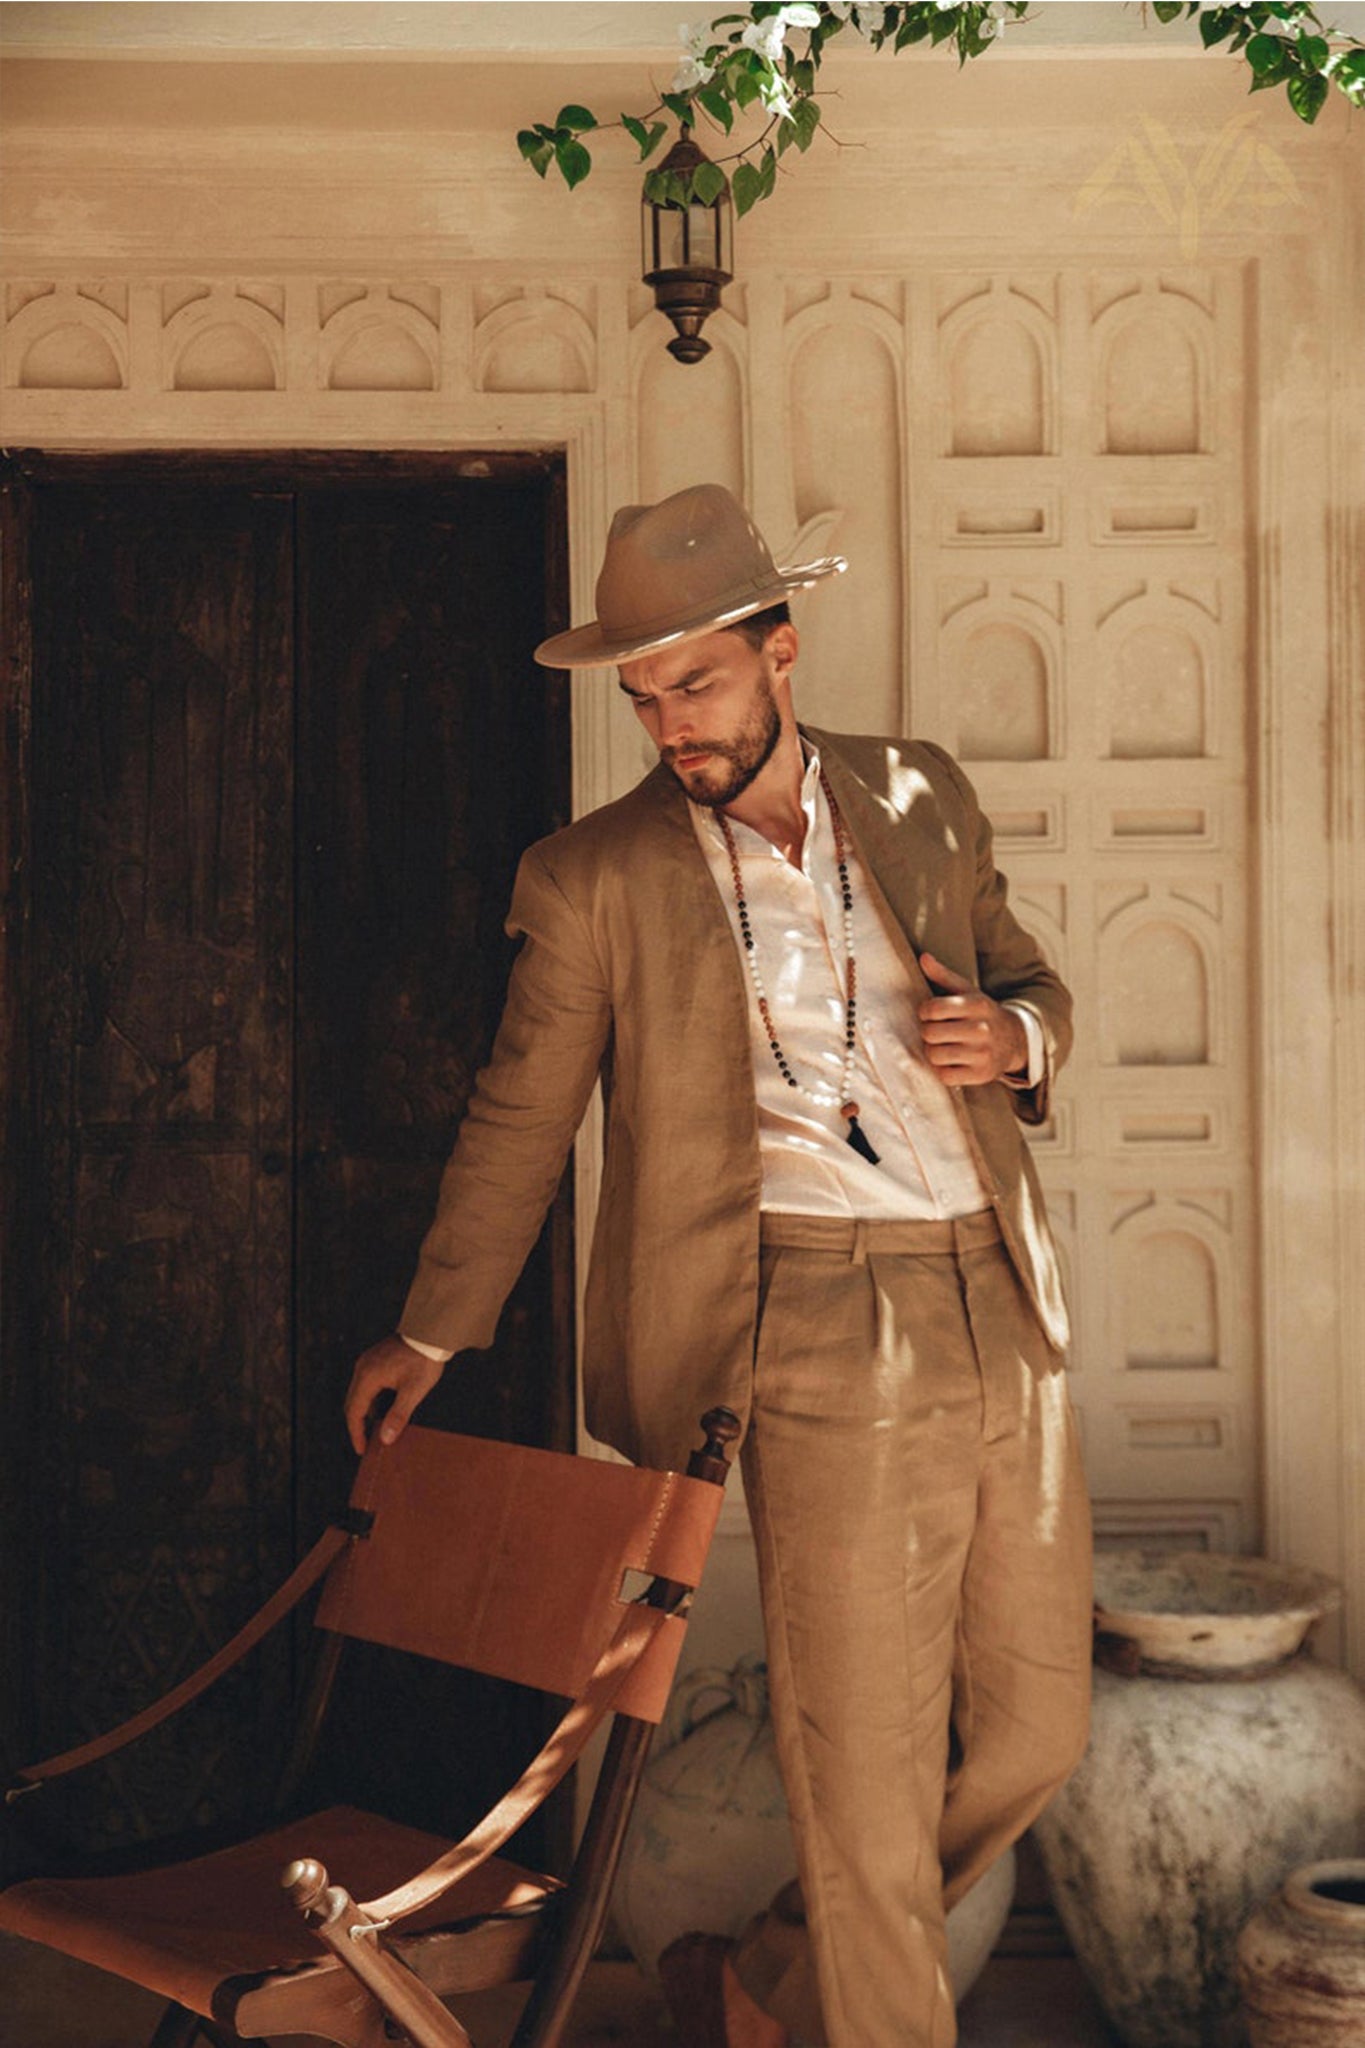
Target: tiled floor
[(48, 2002)]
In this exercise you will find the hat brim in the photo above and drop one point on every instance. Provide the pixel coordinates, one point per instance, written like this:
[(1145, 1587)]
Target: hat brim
[(590, 647)]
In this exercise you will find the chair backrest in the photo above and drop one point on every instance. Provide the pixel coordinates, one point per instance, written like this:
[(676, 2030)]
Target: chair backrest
[(511, 1561)]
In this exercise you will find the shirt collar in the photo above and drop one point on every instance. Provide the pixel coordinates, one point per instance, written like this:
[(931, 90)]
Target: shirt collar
[(709, 819)]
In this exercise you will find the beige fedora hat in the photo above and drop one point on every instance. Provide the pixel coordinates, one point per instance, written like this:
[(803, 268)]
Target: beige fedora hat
[(688, 565)]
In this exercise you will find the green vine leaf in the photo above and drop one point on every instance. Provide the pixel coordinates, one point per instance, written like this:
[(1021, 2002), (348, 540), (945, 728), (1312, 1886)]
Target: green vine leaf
[(576, 119), (708, 182), (717, 104), (574, 162), (1307, 96), (1266, 54), (536, 150), (747, 188), (744, 86), (1214, 26), (805, 120)]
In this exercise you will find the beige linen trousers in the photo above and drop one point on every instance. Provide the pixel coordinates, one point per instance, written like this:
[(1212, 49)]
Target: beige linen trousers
[(923, 1539), (911, 1463)]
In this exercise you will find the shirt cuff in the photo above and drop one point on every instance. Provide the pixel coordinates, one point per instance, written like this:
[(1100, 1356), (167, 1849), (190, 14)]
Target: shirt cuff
[(431, 1351), (1037, 1052)]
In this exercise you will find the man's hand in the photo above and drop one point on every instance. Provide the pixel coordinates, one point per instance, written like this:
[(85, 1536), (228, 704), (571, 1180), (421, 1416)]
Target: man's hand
[(390, 1364), (969, 1038)]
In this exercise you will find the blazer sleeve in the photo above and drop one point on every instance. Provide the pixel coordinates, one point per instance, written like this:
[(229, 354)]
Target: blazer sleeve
[(1009, 964), (521, 1120)]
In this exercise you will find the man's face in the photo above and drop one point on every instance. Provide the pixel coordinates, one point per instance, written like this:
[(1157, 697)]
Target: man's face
[(713, 707)]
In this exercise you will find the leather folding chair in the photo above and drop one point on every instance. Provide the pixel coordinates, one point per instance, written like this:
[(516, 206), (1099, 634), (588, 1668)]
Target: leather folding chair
[(507, 1561)]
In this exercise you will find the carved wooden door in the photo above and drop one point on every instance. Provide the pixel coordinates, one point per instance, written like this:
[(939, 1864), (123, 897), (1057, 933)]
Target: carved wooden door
[(287, 745)]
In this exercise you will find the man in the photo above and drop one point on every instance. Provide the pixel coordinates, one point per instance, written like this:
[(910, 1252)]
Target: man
[(790, 957)]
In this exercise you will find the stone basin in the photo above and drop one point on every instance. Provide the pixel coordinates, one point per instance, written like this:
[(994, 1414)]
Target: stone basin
[(1206, 1613)]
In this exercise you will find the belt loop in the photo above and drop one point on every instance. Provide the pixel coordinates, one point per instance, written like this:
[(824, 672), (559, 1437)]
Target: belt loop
[(858, 1255)]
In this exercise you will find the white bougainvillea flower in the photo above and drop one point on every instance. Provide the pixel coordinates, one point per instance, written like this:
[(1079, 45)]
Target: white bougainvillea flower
[(800, 17), (871, 20), (775, 97), (690, 73), (766, 37)]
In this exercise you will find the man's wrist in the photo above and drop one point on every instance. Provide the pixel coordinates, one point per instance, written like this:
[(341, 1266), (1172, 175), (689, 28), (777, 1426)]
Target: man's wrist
[(431, 1351), (1031, 1069)]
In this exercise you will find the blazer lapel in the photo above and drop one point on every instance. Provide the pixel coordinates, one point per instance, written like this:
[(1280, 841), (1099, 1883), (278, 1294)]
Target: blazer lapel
[(886, 845), (683, 908)]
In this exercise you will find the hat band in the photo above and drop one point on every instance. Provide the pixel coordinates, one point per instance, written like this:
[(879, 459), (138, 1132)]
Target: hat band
[(714, 603)]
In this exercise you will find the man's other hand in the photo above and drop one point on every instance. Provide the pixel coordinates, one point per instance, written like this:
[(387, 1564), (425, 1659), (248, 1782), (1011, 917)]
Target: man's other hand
[(969, 1038), (389, 1365)]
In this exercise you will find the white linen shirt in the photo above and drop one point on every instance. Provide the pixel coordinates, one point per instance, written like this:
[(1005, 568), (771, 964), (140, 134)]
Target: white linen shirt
[(796, 916)]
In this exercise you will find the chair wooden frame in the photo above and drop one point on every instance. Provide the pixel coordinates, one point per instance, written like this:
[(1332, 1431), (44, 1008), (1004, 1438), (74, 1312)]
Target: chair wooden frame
[(525, 1582)]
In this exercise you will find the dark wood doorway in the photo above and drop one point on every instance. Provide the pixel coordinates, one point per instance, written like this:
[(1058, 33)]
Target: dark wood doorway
[(276, 743)]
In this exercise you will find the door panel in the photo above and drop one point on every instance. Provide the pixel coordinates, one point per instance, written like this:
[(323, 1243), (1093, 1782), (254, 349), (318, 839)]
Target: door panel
[(423, 773), (161, 1069), (287, 745)]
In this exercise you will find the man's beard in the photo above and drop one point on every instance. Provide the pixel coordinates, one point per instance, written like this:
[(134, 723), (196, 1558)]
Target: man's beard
[(748, 755)]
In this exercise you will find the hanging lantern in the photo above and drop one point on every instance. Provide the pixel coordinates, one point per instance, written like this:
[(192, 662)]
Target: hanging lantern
[(688, 252)]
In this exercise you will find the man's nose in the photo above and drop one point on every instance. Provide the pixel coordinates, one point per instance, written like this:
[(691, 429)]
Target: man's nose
[(675, 719)]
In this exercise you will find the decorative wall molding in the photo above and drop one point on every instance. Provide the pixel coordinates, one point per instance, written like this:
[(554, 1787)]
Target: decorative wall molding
[(1029, 436)]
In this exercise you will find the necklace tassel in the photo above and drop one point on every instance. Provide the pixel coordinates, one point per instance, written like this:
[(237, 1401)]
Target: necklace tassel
[(857, 1136)]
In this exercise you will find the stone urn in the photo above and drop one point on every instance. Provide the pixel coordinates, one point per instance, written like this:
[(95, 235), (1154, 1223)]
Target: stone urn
[(711, 1842), (1301, 1961), (1221, 1757)]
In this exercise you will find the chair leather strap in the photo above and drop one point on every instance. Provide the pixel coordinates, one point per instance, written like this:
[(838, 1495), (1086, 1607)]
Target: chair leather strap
[(301, 1579), (635, 1632)]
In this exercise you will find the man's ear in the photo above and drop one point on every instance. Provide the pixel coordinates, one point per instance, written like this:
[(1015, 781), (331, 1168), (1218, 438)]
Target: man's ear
[(782, 644)]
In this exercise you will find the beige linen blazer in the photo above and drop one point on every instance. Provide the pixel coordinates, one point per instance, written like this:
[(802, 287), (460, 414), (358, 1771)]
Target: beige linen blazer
[(629, 970)]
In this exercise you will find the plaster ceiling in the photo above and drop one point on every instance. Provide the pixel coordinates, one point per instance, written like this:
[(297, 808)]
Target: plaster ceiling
[(364, 27)]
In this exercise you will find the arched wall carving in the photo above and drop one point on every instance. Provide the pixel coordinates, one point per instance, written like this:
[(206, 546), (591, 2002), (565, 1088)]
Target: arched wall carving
[(998, 354), (1176, 1270), (1157, 970), (223, 341), (62, 339), (845, 401), (376, 343), (1152, 392), (1002, 658), (691, 421), (1159, 679), (538, 343)]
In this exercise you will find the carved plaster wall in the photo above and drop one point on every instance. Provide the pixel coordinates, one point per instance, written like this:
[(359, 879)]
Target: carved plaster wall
[(1065, 568)]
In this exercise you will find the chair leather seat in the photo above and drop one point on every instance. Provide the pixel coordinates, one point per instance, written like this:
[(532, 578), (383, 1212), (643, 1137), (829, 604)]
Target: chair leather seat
[(184, 1928)]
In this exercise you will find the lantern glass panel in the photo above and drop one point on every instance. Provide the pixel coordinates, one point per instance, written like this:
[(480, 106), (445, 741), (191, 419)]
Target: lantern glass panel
[(691, 238)]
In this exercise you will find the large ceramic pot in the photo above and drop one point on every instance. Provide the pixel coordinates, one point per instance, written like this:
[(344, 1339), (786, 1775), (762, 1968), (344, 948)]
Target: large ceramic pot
[(1301, 1961), (711, 1842), (1221, 1761)]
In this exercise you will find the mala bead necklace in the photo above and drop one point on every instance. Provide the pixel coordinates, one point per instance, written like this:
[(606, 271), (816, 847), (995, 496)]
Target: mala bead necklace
[(848, 1108)]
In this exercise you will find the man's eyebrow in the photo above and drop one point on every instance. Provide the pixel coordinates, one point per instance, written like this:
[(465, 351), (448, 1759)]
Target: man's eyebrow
[(694, 675)]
